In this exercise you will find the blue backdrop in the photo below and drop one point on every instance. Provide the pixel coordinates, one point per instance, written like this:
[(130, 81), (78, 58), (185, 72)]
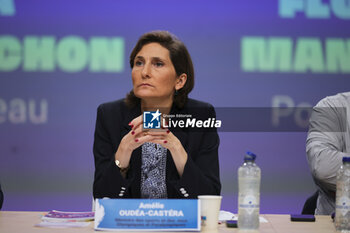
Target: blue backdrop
[(60, 59)]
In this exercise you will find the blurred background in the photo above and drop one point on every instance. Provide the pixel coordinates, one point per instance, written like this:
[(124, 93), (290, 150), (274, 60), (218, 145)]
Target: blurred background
[(60, 59)]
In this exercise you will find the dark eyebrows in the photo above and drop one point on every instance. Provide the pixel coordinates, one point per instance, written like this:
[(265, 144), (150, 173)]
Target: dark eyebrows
[(153, 58), (139, 57), (157, 59)]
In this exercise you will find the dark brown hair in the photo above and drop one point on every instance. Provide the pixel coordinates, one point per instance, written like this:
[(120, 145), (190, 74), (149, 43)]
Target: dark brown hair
[(179, 56)]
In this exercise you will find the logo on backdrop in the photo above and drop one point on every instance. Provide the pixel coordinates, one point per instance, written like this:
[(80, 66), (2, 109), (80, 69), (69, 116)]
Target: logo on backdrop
[(151, 120)]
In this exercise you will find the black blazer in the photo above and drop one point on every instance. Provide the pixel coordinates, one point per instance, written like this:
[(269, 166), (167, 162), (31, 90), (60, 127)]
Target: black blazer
[(201, 172)]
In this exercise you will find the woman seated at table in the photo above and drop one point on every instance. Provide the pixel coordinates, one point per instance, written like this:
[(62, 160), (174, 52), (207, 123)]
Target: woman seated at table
[(133, 163)]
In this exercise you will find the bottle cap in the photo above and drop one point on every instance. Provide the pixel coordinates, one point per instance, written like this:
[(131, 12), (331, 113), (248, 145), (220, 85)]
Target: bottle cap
[(346, 159), (250, 156)]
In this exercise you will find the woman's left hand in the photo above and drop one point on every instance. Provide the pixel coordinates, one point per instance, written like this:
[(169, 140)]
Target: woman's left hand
[(167, 139)]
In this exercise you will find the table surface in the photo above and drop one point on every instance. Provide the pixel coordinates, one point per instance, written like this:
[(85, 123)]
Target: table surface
[(20, 222)]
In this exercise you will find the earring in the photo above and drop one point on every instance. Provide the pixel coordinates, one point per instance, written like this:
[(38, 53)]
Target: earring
[(176, 92)]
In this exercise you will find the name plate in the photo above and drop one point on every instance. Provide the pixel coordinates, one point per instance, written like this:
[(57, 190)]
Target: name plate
[(147, 214)]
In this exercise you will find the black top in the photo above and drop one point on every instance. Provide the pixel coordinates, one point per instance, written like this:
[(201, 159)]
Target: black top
[(201, 171)]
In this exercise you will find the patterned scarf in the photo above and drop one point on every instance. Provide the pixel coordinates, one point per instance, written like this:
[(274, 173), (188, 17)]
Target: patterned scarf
[(153, 171)]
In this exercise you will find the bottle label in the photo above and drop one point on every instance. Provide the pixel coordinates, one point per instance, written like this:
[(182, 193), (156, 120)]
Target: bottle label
[(343, 205), (250, 203)]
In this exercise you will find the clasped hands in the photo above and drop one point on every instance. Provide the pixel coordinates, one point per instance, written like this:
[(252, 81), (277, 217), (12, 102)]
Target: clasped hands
[(137, 136)]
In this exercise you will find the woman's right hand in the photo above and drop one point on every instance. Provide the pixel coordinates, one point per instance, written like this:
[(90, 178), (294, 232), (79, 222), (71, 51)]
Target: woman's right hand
[(135, 138)]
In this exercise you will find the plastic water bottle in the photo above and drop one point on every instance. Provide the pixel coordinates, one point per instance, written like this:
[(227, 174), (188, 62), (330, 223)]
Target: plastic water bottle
[(342, 203), (249, 176)]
